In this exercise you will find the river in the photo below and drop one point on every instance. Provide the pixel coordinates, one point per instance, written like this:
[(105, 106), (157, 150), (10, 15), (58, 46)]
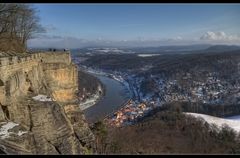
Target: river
[(115, 96)]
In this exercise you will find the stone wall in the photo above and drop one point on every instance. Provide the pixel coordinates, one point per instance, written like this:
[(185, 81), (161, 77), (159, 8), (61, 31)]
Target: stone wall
[(56, 57), (12, 64)]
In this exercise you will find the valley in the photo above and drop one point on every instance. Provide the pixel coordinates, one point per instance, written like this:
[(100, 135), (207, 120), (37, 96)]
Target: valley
[(206, 83)]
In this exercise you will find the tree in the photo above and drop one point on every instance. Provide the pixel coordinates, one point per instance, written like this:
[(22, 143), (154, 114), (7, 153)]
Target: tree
[(100, 131), (18, 23)]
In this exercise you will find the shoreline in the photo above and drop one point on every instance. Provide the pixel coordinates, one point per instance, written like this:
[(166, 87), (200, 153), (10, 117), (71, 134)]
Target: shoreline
[(113, 107), (95, 97), (103, 86), (95, 101)]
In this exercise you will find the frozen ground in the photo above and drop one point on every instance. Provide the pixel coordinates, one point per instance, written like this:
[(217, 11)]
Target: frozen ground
[(233, 122)]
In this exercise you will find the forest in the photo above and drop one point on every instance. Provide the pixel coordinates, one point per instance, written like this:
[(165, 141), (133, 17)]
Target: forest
[(166, 131)]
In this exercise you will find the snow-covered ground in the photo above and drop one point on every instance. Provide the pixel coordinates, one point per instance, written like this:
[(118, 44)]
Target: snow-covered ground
[(89, 102), (110, 50), (4, 133), (118, 78), (233, 122), (92, 100), (147, 55), (42, 98)]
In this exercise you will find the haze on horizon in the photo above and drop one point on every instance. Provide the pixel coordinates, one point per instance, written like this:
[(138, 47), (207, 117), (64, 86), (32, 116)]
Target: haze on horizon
[(82, 25)]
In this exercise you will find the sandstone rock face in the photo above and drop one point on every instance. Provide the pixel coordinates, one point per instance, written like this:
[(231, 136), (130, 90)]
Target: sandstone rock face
[(50, 127), (62, 80)]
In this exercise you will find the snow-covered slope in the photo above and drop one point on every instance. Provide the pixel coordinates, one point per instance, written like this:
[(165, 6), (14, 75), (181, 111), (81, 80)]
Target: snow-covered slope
[(233, 122)]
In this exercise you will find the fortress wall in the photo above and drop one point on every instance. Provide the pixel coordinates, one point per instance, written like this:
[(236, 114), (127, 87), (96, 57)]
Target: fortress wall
[(11, 64), (56, 57)]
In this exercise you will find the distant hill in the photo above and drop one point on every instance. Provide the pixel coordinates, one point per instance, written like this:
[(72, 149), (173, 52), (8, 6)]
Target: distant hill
[(184, 49), (170, 48), (187, 49), (222, 48)]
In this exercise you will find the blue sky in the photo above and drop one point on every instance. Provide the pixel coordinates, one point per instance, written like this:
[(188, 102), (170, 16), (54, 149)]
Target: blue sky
[(77, 25)]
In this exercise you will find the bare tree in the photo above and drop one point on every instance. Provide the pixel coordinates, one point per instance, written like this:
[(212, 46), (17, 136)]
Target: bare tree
[(18, 23), (28, 23)]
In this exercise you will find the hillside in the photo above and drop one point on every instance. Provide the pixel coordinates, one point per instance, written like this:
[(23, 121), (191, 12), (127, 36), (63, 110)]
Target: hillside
[(169, 132), (222, 48)]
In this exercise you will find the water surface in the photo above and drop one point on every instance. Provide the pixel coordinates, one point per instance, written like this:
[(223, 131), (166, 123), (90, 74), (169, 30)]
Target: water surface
[(115, 96)]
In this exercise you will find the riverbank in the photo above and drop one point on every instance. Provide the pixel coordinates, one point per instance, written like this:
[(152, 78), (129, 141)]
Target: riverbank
[(115, 96), (94, 98), (90, 90), (123, 113)]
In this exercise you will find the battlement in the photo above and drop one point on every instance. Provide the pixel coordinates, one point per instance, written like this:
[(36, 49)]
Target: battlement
[(45, 57), (10, 63), (13, 60), (56, 57)]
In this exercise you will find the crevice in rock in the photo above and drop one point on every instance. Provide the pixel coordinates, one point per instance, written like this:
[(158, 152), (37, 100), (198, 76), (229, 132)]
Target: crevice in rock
[(2, 152), (30, 118), (6, 112), (7, 88), (82, 143), (55, 147), (30, 89)]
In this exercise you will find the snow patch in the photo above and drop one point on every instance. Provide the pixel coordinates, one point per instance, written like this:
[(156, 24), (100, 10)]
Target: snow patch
[(147, 55), (21, 133), (42, 98), (91, 101), (4, 129), (233, 123)]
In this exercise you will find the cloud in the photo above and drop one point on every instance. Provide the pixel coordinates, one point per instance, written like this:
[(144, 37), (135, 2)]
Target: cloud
[(55, 41), (219, 36), (51, 41), (178, 38), (44, 36)]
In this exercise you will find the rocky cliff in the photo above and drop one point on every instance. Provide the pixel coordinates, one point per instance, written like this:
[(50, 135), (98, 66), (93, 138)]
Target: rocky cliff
[(39, 111)]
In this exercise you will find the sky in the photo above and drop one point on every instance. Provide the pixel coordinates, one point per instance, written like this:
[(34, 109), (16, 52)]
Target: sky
[(81, 25)]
